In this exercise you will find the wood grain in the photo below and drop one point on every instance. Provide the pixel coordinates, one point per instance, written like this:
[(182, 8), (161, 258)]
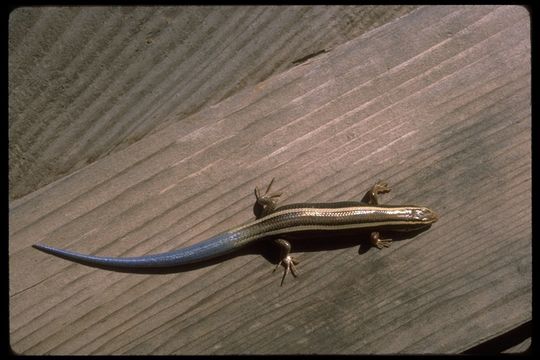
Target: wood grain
[(85, 82), (437, 103)]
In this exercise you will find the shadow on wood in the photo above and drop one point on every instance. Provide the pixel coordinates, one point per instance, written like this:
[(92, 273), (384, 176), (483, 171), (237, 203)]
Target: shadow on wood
[(504, 341)]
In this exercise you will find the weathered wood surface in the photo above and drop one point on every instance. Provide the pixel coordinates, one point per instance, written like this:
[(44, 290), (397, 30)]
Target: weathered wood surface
[(88, 81), (437, 103)]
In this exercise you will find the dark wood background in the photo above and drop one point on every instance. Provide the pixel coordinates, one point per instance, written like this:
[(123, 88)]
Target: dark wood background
[(437, 103), (85, 82)]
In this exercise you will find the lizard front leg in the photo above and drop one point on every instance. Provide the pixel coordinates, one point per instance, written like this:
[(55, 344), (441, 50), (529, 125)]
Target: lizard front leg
[(371, 198), (378, 242)]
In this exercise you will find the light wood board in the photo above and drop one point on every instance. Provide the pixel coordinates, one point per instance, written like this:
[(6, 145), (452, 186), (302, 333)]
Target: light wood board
[(437, 103)]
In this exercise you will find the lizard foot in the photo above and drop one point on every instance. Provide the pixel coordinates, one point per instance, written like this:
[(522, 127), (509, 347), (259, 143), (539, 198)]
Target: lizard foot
[(371, 196), (288, 263), (266, 202), (381, 187), (378, 242)]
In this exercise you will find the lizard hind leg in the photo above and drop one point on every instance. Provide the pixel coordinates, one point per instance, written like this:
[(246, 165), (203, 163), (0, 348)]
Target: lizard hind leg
[(265, 203), (287, 261)]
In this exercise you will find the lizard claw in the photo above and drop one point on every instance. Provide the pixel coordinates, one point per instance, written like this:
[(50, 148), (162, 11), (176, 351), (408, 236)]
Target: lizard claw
[(288, 263)]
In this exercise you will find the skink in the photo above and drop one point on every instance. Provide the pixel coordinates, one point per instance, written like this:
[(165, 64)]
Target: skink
[(277, 224)]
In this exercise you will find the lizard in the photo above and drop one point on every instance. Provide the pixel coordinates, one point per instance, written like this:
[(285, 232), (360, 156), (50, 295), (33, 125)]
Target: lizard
[(277, 224)]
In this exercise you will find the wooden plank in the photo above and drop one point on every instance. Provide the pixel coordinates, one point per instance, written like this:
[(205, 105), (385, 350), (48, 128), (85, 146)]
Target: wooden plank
[(522, 347), (437, 103), (88, 81)]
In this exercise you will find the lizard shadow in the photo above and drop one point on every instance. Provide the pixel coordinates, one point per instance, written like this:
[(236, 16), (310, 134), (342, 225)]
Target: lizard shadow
[(310, 241), (320, 241)]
